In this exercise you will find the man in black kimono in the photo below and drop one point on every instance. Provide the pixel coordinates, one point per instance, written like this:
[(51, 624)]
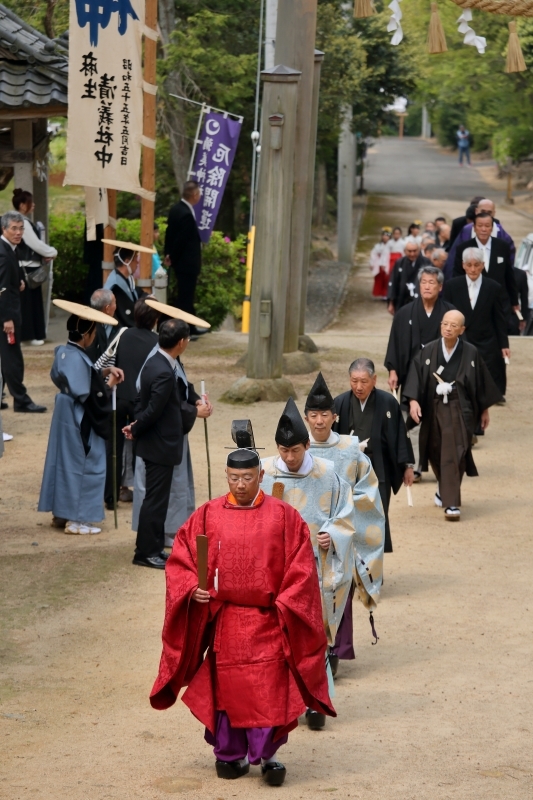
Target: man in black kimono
[(480, 301), (496, 258), (449, 390), (413, 327), (375, 417), (403, 286)]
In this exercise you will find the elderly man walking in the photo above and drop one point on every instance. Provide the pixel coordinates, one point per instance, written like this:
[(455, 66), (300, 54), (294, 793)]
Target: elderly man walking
[(449, 390), (498, 231), (11, 286), (374, 417), (479, 299), (413, 327), (403, 280)]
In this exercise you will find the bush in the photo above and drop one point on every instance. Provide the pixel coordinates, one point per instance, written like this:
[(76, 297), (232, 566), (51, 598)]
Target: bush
[(220, 288), (70, 273)]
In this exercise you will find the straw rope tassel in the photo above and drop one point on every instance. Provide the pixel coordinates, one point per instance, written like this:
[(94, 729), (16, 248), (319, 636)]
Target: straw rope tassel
[(436, 35), (362, 9), (515, 59)]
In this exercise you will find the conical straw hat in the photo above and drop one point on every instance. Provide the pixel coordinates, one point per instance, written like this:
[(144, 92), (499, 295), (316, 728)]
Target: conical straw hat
[(177, 313), (85, 312), (130, 246)]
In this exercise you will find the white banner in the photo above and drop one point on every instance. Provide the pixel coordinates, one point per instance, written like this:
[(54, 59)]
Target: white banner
[(105, 94), (96, 210)]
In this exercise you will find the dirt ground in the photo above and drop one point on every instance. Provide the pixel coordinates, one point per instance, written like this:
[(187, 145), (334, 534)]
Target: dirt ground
[(441, 708)]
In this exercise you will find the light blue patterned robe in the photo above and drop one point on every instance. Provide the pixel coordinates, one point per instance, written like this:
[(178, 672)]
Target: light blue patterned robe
[(73, 483), (354, 467), (325, 502)]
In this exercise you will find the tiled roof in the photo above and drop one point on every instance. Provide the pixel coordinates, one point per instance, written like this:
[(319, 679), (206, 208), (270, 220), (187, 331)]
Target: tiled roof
[(33, 68)]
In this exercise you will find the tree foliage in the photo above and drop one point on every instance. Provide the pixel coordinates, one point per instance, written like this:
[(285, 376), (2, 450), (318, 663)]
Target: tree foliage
[(462, 86)]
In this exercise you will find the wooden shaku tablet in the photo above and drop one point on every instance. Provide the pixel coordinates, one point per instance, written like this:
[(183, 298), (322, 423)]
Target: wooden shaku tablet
[(201, 557), (278, 490)]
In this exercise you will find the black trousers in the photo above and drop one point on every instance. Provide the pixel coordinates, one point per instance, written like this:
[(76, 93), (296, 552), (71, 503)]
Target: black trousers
[(124, 417), (187, 280), (13, 367), (151, 528), (32, 309)]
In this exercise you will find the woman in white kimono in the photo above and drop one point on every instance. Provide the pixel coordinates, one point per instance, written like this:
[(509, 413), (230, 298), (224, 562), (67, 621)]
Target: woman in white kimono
[(75, 466), (379, 265)]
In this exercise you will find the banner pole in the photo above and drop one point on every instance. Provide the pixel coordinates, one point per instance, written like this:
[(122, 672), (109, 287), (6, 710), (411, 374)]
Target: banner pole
[(197, 134), (149, 131)]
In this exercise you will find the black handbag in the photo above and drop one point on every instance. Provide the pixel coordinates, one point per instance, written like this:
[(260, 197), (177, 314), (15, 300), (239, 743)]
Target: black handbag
[(35, 279)]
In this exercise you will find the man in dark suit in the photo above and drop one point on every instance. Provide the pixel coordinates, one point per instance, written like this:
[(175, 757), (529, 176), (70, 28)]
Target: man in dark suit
[(375, 417), (183, 247), (158, 433), (496, 258), (459, 222), (516, 326), (479, 299), (403, 283), (11, 286)]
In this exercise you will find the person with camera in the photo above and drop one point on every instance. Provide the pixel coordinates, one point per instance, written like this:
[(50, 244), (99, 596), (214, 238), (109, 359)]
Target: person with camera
[(33, 255)]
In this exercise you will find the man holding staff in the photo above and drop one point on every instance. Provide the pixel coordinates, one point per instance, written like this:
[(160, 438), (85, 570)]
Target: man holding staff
[(258, 622)]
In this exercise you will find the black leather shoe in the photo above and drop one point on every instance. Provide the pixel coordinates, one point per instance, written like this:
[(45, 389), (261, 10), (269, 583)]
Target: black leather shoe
[(274, 773), (229, 770), (31, 408), (164, 555), (315, 719), (109, 504), (3, 406), (155, 562)]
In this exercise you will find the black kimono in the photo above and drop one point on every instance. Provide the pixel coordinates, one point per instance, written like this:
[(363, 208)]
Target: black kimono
[(474, 392), (389, 448), (403, 283), (411, 330)]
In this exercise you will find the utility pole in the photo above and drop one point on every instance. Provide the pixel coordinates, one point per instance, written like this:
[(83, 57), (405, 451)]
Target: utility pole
[(319, 58), (272, 244), (271, 18), (345, 182), (295, 47)]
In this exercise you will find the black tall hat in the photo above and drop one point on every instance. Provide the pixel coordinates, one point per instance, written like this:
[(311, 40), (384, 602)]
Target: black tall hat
[(291, 428), (319, 398), (243, 436)]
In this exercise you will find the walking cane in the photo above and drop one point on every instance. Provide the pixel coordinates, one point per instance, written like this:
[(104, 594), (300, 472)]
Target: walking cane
[(114, 406), (204, 398)]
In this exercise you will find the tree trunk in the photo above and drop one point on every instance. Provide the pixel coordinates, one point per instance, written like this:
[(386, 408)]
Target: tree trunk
[(321, 194), (49, 18), (173, 117)]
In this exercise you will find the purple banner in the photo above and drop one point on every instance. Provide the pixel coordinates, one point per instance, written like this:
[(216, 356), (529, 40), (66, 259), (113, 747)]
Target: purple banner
[(212, 166)]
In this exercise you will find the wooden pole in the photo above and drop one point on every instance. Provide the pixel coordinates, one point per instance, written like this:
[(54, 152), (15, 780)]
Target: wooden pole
[(149, 131), (110, 232)]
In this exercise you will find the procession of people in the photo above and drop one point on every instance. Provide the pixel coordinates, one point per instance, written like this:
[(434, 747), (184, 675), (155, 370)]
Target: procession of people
[(263, 582)]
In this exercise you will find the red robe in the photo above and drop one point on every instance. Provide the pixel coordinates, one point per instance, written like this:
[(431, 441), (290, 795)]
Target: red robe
[(262, 629)]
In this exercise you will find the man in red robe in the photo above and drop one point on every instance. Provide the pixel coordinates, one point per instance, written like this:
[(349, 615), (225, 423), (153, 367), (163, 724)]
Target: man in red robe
[(260, 622)]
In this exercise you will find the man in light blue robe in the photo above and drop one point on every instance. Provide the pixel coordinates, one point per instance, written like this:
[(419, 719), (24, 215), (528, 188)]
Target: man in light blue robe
[(311, 486), (356, 469), (74, 471)]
